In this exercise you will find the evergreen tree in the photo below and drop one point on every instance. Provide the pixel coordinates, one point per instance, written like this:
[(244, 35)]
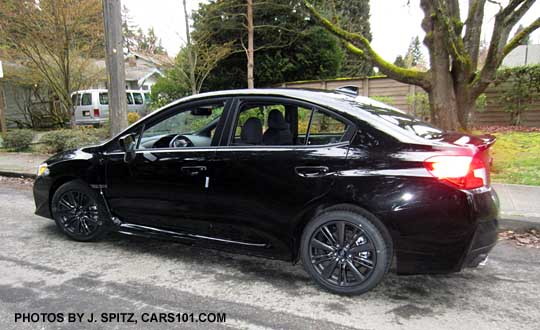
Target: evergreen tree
[(287, 47), (414, 56), (399, 61)]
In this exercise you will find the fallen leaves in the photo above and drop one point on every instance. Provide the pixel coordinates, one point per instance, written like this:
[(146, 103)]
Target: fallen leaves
[(528, 238)]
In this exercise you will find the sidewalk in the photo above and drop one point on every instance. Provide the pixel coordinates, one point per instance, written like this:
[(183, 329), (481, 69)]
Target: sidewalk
[(520, 205), (23, 163)]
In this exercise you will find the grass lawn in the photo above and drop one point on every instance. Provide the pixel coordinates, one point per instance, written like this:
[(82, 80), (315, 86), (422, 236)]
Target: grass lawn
[(516, 158)]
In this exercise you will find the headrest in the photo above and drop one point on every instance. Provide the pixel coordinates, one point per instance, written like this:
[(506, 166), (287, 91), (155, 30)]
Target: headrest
[(252, 131), (276, 120)]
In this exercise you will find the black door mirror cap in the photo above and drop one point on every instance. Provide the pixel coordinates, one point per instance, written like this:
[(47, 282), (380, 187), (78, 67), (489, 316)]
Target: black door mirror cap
[(127, 143)]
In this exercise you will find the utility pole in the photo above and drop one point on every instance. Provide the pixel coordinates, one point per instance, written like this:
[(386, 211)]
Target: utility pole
[(250, 60), (3, 126), (112, 17)]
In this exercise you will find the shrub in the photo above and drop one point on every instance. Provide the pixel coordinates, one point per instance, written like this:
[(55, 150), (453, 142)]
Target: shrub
[(19, 139), (133, 117), (65, 139)]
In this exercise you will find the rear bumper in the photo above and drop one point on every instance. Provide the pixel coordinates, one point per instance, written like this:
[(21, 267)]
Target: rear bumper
[(91, 121), (484, 239), (462, 240)]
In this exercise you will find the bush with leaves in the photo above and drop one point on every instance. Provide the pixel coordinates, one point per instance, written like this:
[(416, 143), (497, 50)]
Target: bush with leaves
[(66, 139), (133, 117), (18, 140), (521, 85)]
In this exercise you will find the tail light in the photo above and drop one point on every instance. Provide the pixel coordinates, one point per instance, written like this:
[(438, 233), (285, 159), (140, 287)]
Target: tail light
[(96, 112), (464, 172)]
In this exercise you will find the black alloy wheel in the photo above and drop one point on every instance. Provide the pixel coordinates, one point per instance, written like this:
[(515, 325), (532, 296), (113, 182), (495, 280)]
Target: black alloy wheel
[(78, 211), (346, 252), (342, 253)]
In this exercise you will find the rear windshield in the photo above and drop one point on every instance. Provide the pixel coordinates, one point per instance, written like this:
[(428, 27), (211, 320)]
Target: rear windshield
[(403, 121)]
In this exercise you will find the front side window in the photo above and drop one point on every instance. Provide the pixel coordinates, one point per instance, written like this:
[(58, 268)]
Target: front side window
[(193, 127), (129, 98), (285, 124)]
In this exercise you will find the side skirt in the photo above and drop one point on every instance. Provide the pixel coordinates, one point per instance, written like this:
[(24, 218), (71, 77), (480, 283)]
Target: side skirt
[(146, 231)]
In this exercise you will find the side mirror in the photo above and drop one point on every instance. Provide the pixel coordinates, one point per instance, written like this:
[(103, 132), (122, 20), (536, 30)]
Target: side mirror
[(127, 143)]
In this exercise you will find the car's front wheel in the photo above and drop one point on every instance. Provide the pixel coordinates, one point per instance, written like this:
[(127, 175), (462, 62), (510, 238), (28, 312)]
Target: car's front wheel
[(79, 212), (346, 251)]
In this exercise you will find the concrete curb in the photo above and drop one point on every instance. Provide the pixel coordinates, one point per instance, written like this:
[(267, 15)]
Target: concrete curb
[(17, 175), (519, 224)]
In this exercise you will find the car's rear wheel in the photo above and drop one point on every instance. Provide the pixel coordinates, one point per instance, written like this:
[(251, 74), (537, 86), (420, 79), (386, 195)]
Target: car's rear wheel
[(79, 212), (346, 251)]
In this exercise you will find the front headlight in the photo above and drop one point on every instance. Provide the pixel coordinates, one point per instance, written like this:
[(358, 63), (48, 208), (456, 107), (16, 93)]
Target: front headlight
[(42, 170)]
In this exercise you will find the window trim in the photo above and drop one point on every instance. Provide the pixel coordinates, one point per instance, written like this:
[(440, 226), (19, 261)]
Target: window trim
[(246, 99)]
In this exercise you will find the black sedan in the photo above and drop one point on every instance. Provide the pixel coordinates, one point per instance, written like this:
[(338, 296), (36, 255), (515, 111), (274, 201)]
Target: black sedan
[(344, 184)]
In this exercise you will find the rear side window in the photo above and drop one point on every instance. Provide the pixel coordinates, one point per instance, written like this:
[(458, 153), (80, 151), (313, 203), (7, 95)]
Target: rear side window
[(104, 98), (86, 99), (129, 98), (325, 129), (146, 98), (137, 97)]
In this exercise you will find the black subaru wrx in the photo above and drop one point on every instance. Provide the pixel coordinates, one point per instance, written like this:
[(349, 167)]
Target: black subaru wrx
[(343, 183)]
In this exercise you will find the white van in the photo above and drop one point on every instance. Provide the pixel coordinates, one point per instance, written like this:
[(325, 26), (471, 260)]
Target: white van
[(92, 105)]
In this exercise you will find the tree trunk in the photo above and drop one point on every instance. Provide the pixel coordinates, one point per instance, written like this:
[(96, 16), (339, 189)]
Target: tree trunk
[(250, 61), (442, 96)]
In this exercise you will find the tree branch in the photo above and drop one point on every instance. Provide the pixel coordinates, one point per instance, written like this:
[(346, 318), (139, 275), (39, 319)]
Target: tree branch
[(359, 42)]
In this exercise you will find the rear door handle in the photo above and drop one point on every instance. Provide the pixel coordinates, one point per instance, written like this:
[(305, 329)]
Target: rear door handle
[(311, 171), (192, 170)]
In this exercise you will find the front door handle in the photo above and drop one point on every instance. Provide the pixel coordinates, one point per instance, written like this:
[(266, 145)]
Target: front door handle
[(192, 170), (311, 171)]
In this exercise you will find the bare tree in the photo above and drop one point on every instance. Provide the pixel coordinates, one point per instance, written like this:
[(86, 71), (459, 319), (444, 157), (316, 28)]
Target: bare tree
[(454, 80), (55, 40)]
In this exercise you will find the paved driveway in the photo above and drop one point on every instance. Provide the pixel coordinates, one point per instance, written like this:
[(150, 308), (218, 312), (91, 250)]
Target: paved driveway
[(43, 272)]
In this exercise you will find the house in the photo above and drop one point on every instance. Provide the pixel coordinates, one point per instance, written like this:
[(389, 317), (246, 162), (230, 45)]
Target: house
[(20, 102)]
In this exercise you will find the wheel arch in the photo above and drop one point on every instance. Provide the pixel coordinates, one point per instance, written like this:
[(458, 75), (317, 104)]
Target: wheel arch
[(316, 209)]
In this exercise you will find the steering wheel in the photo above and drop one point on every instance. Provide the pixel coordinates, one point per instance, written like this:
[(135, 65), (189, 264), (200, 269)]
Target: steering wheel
[(180, 141)]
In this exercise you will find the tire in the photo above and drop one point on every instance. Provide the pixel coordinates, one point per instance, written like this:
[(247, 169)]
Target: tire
[(79, 212), (355, 266)]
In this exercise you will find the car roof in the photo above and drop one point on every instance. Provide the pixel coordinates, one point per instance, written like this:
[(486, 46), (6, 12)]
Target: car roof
[(102, 90)]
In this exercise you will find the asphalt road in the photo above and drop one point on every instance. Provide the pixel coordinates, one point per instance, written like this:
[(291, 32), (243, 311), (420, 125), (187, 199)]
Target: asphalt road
[(41, 271)]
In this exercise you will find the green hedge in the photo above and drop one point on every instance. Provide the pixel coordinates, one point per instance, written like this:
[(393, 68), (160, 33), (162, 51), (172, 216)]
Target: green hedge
[(18, 140), (65, 139)]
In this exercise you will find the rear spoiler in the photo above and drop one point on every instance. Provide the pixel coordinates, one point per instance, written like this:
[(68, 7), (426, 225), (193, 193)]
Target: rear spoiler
[(487, 141), (482, 142)]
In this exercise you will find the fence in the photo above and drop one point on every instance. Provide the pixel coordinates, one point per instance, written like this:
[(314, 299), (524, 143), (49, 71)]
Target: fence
[(399, 95)]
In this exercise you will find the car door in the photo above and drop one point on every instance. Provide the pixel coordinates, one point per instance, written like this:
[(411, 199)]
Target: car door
[(165, 186), (257, 190)]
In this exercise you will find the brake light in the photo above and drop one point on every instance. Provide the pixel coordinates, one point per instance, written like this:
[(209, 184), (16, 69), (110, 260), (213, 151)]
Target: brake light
[(464, 172), (96, 112)]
